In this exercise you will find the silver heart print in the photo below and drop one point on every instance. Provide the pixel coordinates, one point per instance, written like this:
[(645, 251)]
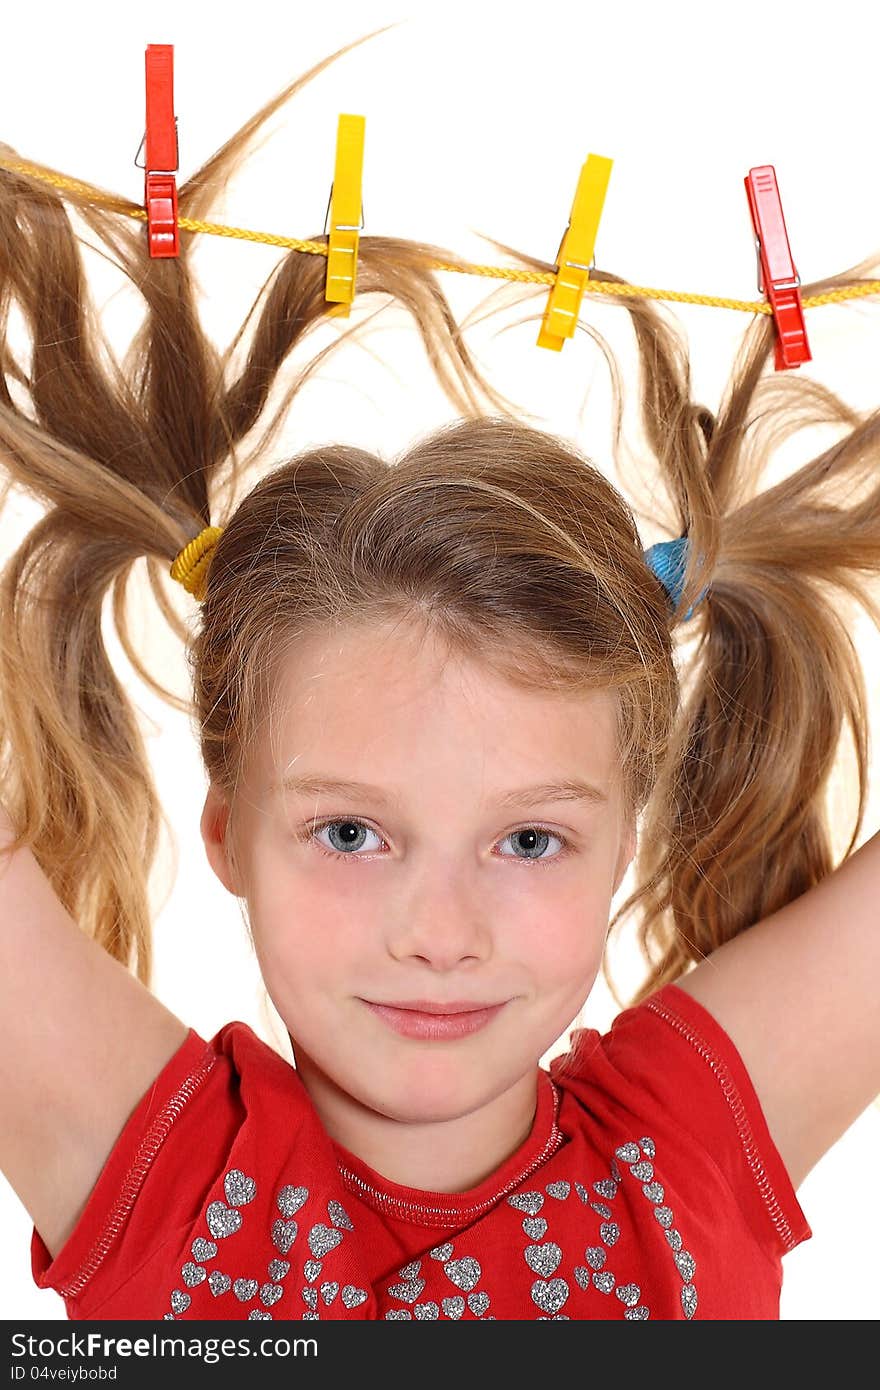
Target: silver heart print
[(239, 1189), (353, 1297), (543, 1259), (222, 1222), (283, 1234), (290, 1199), (535, 1227), (530, 1202), (550, 1295), (464, 1274), (323, 1238)]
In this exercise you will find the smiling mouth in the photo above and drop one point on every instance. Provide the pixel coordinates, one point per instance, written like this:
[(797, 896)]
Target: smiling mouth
[(431, 1025)]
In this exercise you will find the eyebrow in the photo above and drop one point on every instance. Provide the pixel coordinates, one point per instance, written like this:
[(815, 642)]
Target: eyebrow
[(570, 789)]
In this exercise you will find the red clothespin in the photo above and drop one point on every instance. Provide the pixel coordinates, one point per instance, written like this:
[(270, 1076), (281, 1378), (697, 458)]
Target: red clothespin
[(162, 159), (777, 277)]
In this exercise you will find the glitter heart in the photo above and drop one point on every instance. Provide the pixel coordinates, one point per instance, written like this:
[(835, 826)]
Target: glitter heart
[(180, 1301), (239, 1189), (673, 1238), (606, 1187), (628, 1294), (640, 1312), (310, 1297), (329, 1290), (203, 1249), (441, 1252), (409, 1292), (605, 1281), (550, 1295), (535, 1227), (353, 1297), (270, 1293), (290, 1199), (582, 1275), (689, 1300), (663, 1215), (323, 1238), (478, 1303), (628, 1152), (453, 1307), (311, 1269), (219, 1283), (306, 1316), (648, 1147), (221, 1221), (283, 1234), (530, 1202), (643, 1170), (278, 1269), (653, 1191), (602, 1208), (255, 1313), (411, 1270), (595, 1256), (559, 1189), (338, 1215), (426, 1311), (686, 1265), (463, 1273), (193, 1274), (244, 1289), (582, 1192), (543, 1259), (609, 1231), (401, 1315)]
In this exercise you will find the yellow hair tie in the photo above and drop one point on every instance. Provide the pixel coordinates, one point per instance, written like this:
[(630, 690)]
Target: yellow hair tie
[(190, 567)]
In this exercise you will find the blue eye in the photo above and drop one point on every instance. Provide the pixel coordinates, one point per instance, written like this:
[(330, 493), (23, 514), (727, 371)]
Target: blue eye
[(347, 837)]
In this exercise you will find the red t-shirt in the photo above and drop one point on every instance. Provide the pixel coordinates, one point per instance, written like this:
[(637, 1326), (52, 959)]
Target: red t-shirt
[(649, 1187)]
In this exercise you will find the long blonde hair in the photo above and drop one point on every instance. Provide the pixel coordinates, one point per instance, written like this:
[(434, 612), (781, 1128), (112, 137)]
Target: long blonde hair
[(503, 538)]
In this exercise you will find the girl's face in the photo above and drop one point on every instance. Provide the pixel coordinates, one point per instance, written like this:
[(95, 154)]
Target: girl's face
[(428, 882)]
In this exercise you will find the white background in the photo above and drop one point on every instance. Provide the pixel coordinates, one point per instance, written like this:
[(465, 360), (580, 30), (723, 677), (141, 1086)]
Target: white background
[(478, 120)]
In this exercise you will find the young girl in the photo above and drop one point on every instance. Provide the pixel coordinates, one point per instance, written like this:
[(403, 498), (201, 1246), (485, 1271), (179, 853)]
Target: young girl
[(439, 709)]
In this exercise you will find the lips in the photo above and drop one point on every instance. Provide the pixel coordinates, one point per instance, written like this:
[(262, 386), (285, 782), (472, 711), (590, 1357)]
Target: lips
[(435, 1022)]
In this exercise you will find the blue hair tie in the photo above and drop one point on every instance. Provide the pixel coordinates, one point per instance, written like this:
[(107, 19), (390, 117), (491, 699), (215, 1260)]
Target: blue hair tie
[(668, 560)]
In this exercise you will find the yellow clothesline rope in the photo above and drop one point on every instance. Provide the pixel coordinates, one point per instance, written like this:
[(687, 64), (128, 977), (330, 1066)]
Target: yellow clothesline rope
[(537, 277)]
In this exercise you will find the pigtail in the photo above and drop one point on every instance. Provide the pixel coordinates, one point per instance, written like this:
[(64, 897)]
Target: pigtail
[(131, 460), (732, 799)]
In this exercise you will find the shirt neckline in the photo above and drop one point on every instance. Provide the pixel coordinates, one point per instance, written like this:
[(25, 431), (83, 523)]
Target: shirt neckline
[(448, 1209)]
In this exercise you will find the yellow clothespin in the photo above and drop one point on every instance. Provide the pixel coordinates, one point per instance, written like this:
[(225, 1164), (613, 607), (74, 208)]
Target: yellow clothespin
[(575, 254), (345, 214)]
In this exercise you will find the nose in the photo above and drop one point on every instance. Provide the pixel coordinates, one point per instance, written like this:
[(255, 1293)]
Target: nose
[(439, 921)]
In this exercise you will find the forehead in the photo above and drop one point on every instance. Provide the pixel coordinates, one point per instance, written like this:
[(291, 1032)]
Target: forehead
[(397, 697)]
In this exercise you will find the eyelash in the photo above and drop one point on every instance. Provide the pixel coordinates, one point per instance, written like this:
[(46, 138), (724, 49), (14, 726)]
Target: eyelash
[(314, 826)]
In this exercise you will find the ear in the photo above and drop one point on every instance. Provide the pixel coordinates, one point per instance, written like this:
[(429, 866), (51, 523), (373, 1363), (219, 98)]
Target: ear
[(625, 857), (215, 815)]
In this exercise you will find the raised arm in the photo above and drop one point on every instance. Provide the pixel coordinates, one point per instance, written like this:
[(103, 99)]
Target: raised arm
[(799, 994), (81, 1040)]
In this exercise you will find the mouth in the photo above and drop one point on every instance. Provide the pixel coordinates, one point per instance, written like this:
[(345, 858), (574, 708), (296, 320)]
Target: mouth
[(426, 1019)]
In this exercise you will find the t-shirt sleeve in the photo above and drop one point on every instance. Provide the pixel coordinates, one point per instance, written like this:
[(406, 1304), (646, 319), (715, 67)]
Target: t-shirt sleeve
[(668, 1065), (152, 1185)]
